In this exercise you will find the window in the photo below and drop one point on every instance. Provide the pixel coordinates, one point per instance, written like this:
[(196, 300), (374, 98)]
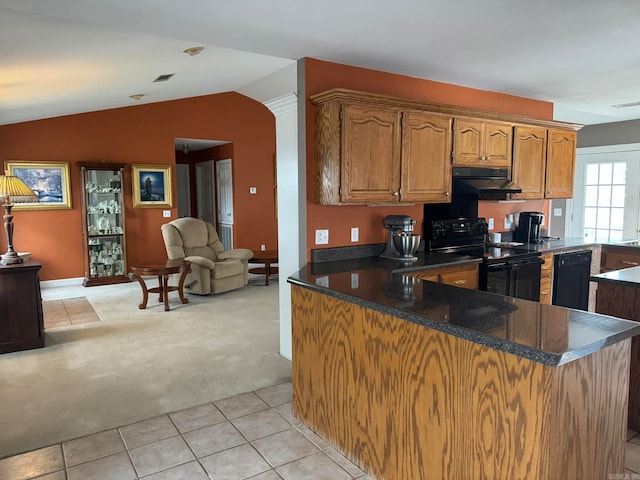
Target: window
[(606, 202), (603, 202)]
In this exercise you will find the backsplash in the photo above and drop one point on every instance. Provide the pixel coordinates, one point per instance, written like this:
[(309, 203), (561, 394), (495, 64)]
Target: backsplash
[(499, 211)]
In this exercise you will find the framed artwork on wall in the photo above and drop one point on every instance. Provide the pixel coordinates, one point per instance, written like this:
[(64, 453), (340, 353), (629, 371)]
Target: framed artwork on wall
[(49, 180), (151, 186)]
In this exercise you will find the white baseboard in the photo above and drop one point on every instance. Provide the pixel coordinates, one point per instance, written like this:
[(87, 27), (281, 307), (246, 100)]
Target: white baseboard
[(64, 282)]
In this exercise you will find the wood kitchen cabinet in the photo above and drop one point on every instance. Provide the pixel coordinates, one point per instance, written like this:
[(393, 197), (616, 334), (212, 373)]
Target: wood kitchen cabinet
[(378, 149), (425, 167), (561, 160), (368, 154), (617, 258), (480, 143), (546, 276), (463, 276), (543, 162), (370, 160), (529, 161)]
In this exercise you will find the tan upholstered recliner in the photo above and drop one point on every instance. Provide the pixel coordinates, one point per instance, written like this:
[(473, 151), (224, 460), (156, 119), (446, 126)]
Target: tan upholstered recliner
[(213, 270)]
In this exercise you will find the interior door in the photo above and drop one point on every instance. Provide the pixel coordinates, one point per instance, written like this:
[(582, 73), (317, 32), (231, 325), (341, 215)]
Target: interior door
[(224, 180), (184, 190), (205, 181)]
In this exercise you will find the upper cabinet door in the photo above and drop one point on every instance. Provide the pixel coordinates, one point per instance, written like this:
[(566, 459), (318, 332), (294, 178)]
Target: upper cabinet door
[(479, 143), (370, 155), (529, 156), (426, 149), (498, 144), (468, 142), (561, 159)]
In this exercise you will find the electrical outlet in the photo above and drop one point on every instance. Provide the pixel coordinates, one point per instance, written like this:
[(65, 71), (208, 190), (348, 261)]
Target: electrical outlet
[(355, 234), (322, 237), (263, 247), (166, 213), (491, 224), (557, 212), (322, 281), (355, 280), (253, 190)]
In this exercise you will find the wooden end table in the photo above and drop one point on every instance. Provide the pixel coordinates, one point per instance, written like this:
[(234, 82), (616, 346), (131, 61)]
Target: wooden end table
[(162, 270), (267, 257)]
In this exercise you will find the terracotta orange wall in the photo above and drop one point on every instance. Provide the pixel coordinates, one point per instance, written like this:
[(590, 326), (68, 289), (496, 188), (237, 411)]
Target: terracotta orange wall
[(498, 211), (321, 76), (143, 134)]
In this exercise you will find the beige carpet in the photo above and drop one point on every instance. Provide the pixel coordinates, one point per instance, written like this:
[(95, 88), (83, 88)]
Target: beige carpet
[(135, 364)]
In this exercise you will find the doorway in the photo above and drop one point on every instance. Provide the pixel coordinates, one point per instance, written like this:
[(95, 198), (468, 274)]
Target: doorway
[(205, 192), (224, 187), (606, 203)]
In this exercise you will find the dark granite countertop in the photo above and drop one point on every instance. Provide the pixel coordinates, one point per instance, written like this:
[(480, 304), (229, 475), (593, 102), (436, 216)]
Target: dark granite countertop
[(543, 333), (627, 277)]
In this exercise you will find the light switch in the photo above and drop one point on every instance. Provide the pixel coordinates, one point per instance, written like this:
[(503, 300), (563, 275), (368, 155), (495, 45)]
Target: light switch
[(557, 212), (355, 234), (253, 190)]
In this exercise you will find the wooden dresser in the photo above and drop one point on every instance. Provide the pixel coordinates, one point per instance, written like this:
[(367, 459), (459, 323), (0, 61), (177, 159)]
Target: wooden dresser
[(21, 322)]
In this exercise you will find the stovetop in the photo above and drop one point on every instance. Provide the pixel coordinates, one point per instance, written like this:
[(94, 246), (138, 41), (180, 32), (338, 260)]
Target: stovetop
[(466, 236)]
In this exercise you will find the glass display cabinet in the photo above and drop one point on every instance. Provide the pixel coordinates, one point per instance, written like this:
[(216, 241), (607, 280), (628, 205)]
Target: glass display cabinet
[(103, 224)]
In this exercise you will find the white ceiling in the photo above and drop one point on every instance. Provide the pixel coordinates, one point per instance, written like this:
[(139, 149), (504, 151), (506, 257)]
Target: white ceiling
[(69, 56)]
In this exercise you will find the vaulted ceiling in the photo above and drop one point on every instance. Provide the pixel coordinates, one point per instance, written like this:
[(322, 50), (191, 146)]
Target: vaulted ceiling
[(70, 56)]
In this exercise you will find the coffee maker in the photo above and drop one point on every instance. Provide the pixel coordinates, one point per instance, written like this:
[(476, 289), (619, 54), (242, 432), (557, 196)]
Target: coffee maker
[(528, 228), (400, 225)]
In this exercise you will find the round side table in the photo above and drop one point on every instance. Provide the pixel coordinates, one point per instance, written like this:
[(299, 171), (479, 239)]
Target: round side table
[(162, 270), (267, 257)]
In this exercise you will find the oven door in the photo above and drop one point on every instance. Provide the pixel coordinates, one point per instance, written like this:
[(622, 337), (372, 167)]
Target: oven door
[(514, 278)]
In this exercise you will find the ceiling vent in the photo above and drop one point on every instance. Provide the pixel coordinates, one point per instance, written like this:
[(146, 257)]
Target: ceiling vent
[(625, 105), (164, 78)]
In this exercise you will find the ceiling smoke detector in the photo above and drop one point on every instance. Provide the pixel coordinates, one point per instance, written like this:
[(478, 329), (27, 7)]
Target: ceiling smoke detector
[(137, 96), (193, 51), (625, 105)]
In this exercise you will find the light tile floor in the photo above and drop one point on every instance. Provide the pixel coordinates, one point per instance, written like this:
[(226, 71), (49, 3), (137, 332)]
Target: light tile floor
[(249, 436), (68, 311)]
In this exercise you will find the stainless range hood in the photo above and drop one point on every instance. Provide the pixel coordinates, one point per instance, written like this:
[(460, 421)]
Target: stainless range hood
[(487, 183)]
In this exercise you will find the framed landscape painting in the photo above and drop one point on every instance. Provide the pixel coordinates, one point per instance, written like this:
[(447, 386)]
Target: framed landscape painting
[(48, 180), (151, 186)]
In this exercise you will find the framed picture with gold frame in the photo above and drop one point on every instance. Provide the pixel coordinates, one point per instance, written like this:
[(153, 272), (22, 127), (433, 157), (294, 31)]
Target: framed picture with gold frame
[(151, 186), (48, 180)]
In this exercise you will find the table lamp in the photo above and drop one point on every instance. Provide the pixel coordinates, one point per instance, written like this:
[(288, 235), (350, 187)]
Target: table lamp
[(10, 187)]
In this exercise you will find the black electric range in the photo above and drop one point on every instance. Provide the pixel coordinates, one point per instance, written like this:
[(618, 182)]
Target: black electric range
[(506, 269)]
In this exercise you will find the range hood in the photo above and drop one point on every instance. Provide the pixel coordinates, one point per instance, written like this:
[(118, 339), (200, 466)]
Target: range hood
[(489, 183)]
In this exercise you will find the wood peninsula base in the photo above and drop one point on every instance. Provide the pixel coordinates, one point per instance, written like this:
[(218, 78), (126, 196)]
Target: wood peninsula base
[(404, 401)]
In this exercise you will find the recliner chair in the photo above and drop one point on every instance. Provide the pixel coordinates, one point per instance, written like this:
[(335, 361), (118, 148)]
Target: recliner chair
[(213, 270)]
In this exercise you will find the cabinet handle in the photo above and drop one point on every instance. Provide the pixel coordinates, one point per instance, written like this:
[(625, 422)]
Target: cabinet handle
[(395, 194), (544, 292), (446, 194), (546, 267), (460, 282), (627, 262)]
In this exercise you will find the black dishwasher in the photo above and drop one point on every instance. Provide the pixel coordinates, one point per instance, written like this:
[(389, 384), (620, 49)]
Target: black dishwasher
[(571, 272)]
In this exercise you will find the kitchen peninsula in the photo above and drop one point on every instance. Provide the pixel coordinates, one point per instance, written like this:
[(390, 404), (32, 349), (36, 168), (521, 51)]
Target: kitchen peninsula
[(619, 294), (413, 379)]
